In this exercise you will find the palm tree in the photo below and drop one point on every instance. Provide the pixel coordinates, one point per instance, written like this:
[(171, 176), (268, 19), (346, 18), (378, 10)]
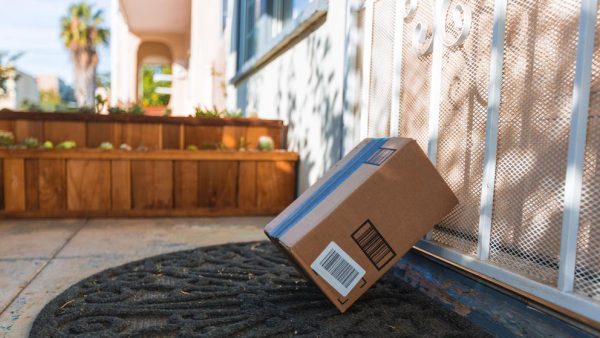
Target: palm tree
[(81, 32)]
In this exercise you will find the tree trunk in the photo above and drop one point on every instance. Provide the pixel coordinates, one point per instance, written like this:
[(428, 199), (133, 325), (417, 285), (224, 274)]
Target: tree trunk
[(85, 81)]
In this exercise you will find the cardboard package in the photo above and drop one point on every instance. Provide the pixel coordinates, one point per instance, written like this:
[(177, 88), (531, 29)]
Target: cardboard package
[(362, 216)]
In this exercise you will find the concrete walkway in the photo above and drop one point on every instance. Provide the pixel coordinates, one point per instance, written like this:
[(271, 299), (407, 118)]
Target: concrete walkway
[(41, 258)]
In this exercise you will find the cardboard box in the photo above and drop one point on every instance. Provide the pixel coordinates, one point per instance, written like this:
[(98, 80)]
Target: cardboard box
[(366, 212)]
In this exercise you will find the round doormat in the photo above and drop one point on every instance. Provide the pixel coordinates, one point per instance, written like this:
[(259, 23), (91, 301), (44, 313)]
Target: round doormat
[(235, 290)]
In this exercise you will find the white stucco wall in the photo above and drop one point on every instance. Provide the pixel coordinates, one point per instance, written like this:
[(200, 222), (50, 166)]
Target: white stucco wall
[(304, 87), (24, 88)]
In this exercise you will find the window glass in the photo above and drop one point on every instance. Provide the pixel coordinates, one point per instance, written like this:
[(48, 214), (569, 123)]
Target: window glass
[(259, 21)]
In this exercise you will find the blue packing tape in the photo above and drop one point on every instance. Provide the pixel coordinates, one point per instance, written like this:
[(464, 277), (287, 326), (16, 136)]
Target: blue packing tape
[(328, 187)]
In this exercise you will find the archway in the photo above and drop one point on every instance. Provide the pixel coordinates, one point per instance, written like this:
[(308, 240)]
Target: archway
[(154, 60)]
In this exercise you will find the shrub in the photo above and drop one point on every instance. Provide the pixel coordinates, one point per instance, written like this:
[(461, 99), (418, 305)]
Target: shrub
[(136, 109), (67, 145), (86, 110), (31, 142), (125, 147), (116, 110), (266, 143), (6, 138), (106, 146), (204, 112), (47, 145), (192, 147)]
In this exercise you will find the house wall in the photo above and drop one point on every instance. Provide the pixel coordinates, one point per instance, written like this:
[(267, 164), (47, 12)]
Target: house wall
[(304, 86), (24, 88)]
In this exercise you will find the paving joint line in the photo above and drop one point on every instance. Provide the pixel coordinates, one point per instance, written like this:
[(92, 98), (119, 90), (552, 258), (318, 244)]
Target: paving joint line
[(44, 265)]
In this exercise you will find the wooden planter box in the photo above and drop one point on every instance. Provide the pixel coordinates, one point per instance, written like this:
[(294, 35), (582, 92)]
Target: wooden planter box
[(95, 183), (153, 132)]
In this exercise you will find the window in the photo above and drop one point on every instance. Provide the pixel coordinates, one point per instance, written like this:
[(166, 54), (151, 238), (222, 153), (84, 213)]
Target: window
[(261, 21), (224, 14)]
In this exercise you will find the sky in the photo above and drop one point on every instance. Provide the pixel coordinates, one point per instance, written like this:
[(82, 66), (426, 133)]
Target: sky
[(33, 27)]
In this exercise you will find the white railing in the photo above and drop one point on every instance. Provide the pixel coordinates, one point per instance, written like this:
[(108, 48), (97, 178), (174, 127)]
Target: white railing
[(501, 96)]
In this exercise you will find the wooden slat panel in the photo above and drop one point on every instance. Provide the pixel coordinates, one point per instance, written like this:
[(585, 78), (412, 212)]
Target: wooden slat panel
[(52, 185), (7, 125), (276, 134), (277, 184), (215, 155), (32, 184), (98, 132), (170, 137), (29, 128), (217, 184), (152, 184), (203, 136), (247, 185), (186, 184), (14, 184), (59, 131), (120, 172), (142, 134), (232, 136), (88, 185)]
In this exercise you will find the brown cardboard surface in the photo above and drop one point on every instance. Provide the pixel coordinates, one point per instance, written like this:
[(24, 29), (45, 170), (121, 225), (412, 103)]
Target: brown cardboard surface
[(388, 208)]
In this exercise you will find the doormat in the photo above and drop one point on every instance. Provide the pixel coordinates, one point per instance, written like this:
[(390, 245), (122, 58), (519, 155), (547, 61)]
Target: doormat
[(236, 290)]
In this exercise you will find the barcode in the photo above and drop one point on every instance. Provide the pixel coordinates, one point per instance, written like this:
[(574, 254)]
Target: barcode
[(338, 269), (373, 245), (380, 156)]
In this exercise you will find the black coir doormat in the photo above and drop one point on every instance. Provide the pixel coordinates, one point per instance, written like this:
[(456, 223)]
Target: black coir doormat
[(235, 290)]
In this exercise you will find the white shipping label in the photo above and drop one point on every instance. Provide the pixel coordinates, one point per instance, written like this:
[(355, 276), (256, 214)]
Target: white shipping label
[(338, 269)]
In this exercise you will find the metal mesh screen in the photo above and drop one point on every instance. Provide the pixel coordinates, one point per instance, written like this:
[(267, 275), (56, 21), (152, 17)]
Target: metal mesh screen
[(587, 264), (463, 113), (537, 85), (415, 78), (382, 58)]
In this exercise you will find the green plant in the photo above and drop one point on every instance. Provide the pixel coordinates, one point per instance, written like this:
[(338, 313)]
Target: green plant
[(31, 142), (100, 103), (233, 114), (47, 145), (67, 145), (30, 106), (150, 94), (7, 70), (204, 112), (106, 146), (192, 147), (86, 110), (125, 146), (50, 100), (135, 109), (265, 143), (81, 32), (116, 110), (7, 138)]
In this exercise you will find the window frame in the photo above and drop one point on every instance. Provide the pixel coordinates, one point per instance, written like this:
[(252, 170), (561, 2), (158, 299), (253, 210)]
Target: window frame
[(276, 38)]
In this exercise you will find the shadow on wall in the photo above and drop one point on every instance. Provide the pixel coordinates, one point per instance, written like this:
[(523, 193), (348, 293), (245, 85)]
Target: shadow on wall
[(308, 96)]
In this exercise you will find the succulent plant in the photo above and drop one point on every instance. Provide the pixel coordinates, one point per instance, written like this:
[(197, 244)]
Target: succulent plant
[(69, 144), (265, 143), (136, 109), (192, 147), (106, 146), (31, 142), (7, 138), (116, 110), (125, 147), (47, 145)]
